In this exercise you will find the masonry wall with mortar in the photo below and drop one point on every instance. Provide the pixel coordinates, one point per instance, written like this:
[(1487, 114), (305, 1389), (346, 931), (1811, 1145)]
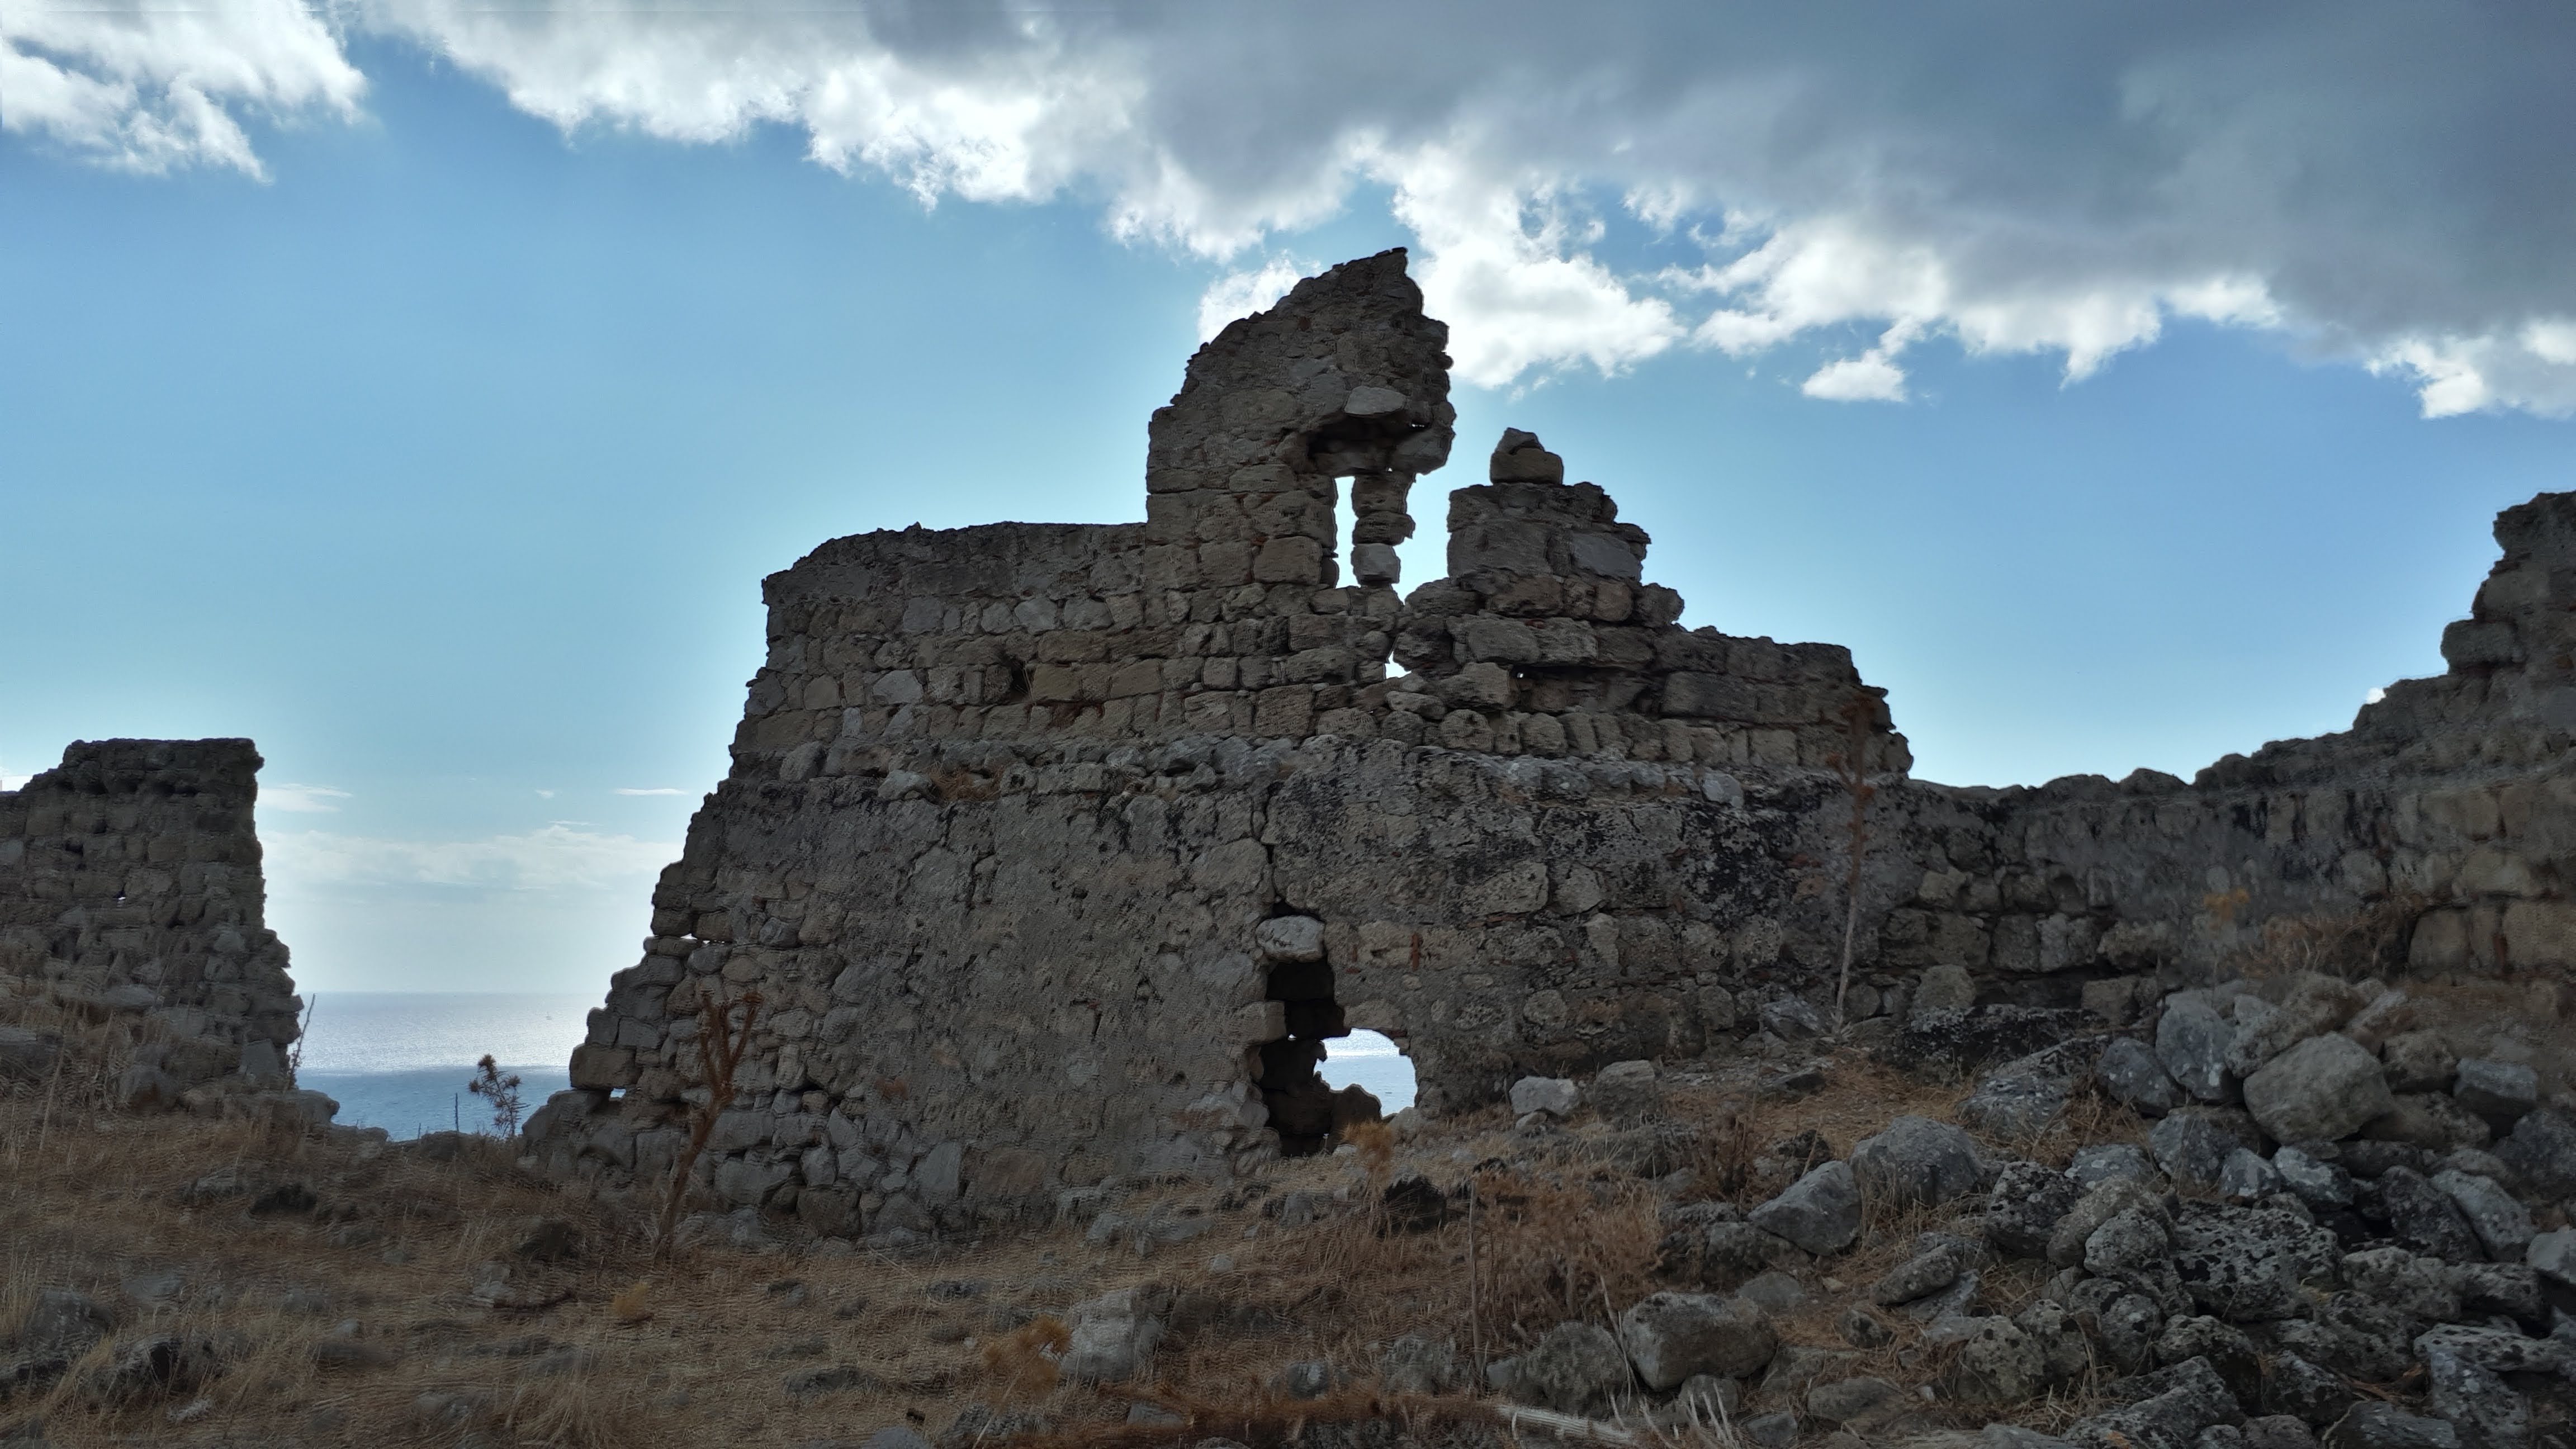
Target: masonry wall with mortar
[(1056, 850), (130, 873)]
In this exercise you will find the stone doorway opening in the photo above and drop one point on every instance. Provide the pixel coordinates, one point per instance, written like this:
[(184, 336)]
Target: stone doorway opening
[(1305, 1111)]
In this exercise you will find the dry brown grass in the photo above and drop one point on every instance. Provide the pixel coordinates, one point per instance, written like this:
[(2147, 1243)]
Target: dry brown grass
[(2350, 945), (619, 1349)]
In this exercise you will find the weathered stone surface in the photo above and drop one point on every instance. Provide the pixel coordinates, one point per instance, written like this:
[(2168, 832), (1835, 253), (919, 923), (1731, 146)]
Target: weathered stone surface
[(2424, 1218), (1997, 1364), (2183, 1400), (2553, 1255), (2100, 1162), (1627, 1092), (2192, 1038), (1820, 1212), (1553, 1095), (2496, 1090), (1114, 1335), (2374, 1425), (1862, 1403), (2024, 1207), (2135, 1077), (2541, 1150), (2247, 1264), (2317, 1091), (2296, 1388), (2192, 1143), (2021, 1098), (2502, 1225), (2434, 1121), (1575, 1368), (1670, 1337), (2248, 1177), (1916, 1160), (2475, 1401), (2322, 1185), (2417, 1061), (2077, 1225)]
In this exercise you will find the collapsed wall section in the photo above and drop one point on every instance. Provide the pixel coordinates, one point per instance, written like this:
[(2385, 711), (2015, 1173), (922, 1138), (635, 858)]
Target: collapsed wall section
[(2437, 835), (130, 878)]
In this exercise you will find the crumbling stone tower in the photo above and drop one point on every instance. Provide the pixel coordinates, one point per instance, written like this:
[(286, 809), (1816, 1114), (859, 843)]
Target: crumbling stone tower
[(130, 881)]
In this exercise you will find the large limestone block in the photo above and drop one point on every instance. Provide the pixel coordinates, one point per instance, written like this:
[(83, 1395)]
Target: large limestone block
[(1672, 1336), (1820, 1212), (2324, 1088), (1917, 1160)]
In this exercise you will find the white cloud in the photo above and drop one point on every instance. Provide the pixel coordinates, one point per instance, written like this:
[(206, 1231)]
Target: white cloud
[(655, 790), (153, 87), (301, 799), (14, 782), (1240, 294), (1873, 376), (1506, 267), (2371, 178), (556, 857)]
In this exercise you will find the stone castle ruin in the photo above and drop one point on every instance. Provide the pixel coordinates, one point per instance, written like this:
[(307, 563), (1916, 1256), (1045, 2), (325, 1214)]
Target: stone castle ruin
[(1056, 853), (130, 885)]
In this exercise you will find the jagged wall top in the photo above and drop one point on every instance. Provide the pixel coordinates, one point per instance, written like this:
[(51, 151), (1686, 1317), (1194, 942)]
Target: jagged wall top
[(1225, 613)]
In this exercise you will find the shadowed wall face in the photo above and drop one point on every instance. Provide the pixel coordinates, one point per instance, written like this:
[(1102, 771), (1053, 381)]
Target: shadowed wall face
[(130, 878)]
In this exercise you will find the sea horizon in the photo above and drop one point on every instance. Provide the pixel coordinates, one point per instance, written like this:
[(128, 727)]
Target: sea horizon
[(400, 1060)]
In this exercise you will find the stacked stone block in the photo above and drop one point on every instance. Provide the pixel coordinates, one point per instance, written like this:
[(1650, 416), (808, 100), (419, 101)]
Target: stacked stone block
[(130, 875), (1545, 640)]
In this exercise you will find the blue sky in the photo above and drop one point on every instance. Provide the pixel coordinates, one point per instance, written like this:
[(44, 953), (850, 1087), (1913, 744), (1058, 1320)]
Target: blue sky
[(441, 449)]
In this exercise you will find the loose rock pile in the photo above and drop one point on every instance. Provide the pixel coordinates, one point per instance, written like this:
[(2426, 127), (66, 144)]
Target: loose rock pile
[(2334, 1230)]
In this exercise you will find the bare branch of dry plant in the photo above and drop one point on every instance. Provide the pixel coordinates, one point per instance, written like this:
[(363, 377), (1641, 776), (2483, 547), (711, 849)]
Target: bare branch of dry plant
[(721, 1044)]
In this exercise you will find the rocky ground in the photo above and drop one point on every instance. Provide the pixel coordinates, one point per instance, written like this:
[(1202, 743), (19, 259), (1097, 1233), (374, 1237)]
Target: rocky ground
[(2259, 1216)]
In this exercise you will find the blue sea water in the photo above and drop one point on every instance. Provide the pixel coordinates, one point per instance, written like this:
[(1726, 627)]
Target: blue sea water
[(1373, 1062), (400, 1059)]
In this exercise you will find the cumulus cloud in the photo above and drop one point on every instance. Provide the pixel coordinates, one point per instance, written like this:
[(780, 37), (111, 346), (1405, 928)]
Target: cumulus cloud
[(1242, 293), (557, 857), (152, 87), (2377, 180), (301, 799)]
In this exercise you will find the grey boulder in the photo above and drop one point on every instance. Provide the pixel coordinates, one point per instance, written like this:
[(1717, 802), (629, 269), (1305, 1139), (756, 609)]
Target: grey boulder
[(2130, 1073), (2324, 1088), (1820, 1212), (1916, 1160), (1670, 1337)]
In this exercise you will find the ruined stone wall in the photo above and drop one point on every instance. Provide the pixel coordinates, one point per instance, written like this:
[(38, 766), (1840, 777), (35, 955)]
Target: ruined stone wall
[(2438, 834), (130, 874), (1058, 853)]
